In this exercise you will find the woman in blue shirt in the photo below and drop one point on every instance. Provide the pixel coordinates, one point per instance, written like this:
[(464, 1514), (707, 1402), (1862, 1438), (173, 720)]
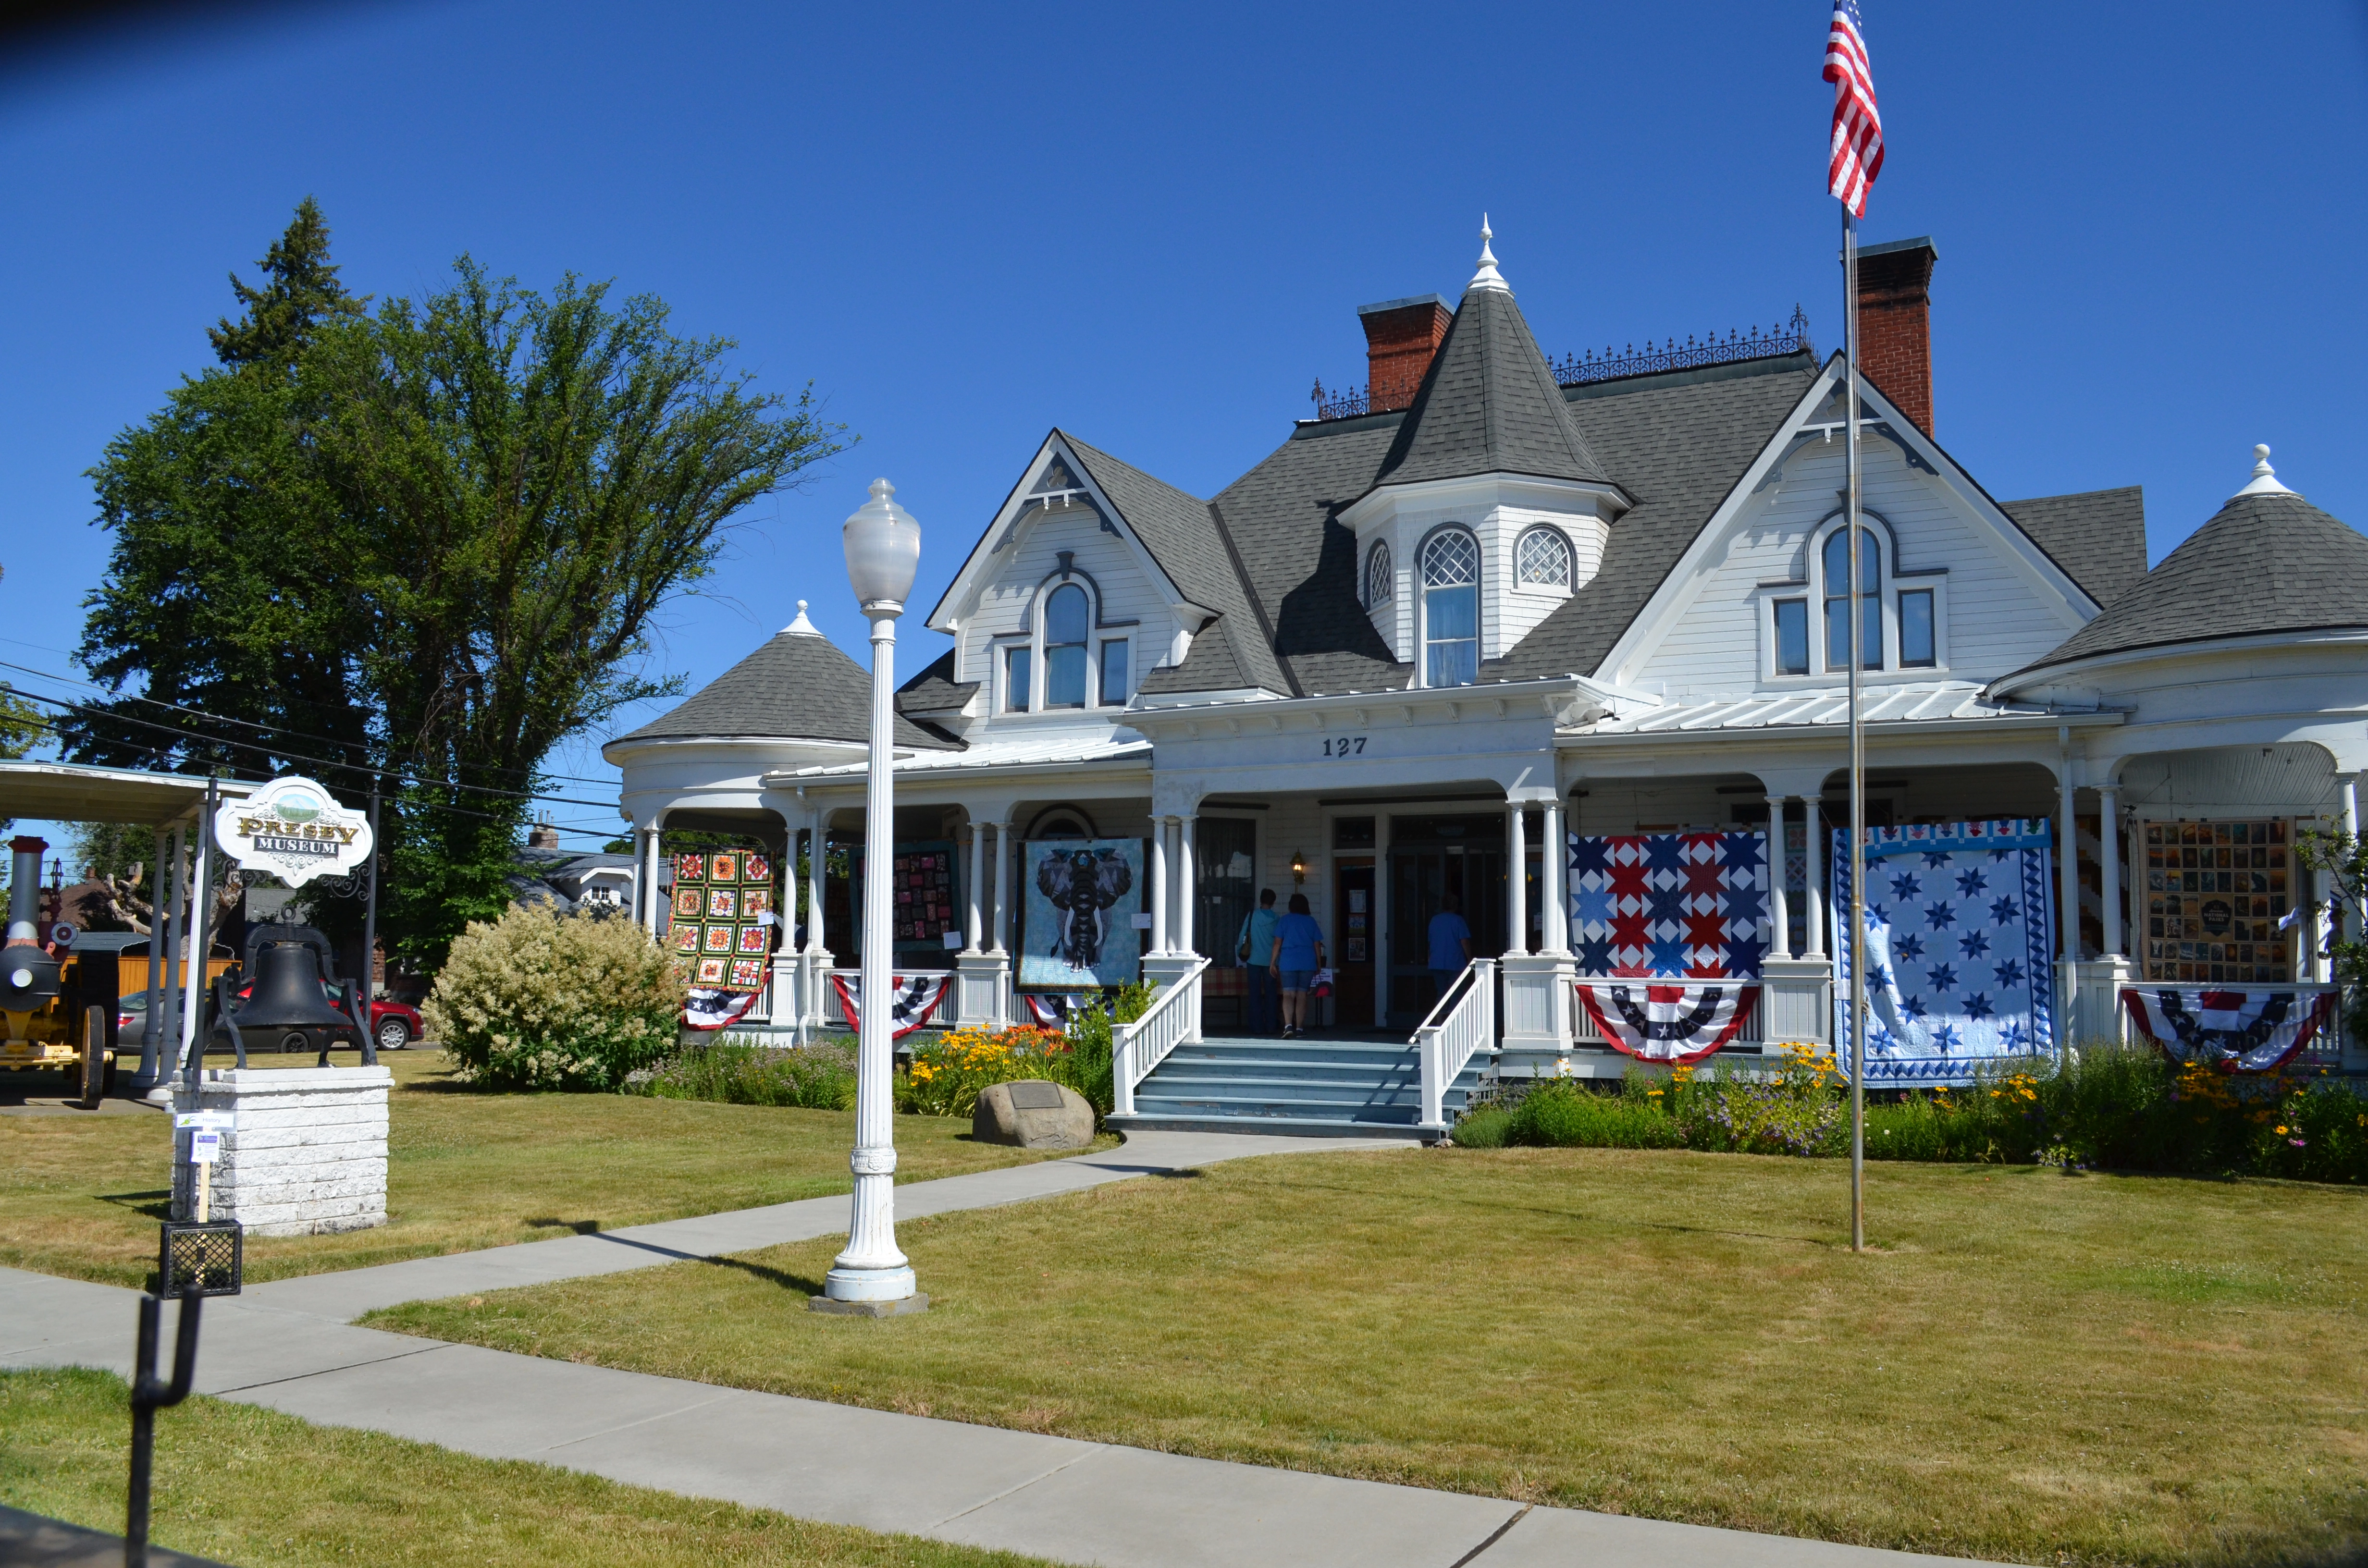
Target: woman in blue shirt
[(1297, 954)]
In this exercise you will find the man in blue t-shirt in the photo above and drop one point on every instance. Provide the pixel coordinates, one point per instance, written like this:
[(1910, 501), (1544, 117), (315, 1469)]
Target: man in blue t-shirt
[(1256, 945), (1451, 946)]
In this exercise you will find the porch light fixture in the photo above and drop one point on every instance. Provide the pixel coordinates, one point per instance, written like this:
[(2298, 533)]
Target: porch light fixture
[(872, 1276), (1298, 867)]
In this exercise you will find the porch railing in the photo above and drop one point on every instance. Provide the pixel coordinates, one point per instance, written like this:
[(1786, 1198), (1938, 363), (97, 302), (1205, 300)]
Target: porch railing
[(1463, 1024), (1172, 1019)]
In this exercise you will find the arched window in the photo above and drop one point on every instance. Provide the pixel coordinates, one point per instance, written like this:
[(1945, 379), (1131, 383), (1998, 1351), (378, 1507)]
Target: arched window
[(1450, 609), (1381, 577), (1870, 607), (1543, 559), (1067, 619)]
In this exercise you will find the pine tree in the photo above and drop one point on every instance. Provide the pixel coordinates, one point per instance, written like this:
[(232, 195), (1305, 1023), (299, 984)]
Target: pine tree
[(300, 292)]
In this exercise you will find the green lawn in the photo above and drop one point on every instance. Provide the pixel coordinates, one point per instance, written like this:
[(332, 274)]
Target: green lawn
[(81, 1195), (260, 1489), (2036, 1366)]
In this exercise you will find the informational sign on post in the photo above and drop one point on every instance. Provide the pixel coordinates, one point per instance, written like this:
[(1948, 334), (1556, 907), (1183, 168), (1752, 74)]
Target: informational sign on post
[(205, 1147), (295, 830)]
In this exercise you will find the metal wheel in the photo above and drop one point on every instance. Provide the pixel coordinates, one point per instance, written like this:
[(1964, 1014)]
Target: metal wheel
[(393, 1034)]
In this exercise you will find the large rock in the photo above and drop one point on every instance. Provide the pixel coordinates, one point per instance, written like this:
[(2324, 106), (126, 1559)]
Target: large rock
[(1033, 1114)]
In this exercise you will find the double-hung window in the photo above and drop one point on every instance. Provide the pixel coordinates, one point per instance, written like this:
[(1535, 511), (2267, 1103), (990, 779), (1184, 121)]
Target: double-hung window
[(1067, 619), (1451, 608), (1869, 603)]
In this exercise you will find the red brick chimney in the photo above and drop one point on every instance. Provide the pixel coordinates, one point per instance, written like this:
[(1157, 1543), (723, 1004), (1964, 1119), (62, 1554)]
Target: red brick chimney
[(1401, 335), (1894, 323)]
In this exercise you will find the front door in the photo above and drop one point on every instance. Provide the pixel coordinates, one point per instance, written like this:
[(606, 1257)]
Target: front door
[(1420, 878), (1355, 920)]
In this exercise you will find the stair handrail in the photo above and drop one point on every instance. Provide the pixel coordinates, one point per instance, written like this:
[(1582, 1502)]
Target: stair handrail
[(1462, 1024), (1172, 1019)]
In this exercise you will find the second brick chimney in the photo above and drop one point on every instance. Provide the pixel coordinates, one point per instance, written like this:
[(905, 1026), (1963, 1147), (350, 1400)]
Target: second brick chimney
[(1894, 322), (1401, 337)]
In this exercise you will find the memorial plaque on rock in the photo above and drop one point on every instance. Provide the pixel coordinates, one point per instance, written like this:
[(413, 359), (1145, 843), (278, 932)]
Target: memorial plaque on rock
[(1034, 1094), (1033, 1114)]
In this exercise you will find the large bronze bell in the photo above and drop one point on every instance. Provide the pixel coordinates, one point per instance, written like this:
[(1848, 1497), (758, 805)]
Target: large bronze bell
[(288, 1009)]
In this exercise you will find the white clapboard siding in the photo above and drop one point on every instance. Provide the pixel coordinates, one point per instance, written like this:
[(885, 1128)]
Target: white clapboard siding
[(1127, 593)]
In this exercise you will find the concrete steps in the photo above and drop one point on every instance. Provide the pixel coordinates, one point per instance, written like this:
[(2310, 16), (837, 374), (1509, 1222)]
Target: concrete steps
[(1307, 1086)]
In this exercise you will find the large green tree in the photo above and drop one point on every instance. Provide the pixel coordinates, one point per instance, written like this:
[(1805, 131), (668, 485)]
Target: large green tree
[(435, 534)]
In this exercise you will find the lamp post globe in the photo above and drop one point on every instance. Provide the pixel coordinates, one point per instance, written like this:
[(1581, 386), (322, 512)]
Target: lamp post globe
[(883, 553)]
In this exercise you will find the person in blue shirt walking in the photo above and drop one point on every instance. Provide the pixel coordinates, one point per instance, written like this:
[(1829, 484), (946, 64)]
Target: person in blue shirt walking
[(1297, 954), (1451, 946), (1256, 945)]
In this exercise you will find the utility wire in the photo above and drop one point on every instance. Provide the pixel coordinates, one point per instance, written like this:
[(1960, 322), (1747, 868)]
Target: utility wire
[(252, 725)]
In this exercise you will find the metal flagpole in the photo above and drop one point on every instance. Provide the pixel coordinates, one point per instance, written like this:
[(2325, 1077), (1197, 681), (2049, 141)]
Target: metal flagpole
[(1857, 769)]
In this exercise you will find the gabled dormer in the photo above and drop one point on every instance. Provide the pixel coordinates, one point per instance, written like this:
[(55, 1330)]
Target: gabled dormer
[(1091, 574), (1490, 509)]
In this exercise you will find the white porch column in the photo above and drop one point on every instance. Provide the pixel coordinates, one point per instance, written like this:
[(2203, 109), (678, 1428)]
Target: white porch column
[(1554, 853), (971, 921), (1188, 882), (653, 857), (1813, 834), (2347, 796), (1004, 849), (151, 1028), (1516, 880), (169, 1041), (817, 859), (2067, 872), (2109, 864), (1159, 886), (1779, 942)]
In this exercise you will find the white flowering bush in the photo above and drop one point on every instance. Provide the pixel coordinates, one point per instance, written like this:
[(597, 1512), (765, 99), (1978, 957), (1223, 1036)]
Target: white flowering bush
[(536, 1000)]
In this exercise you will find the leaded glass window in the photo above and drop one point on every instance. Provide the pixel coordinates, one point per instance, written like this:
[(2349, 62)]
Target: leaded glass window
[(1381, 575), (1543, 559)]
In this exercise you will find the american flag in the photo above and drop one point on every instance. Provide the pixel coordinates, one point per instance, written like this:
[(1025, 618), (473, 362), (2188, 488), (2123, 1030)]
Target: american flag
[(1857, 125)]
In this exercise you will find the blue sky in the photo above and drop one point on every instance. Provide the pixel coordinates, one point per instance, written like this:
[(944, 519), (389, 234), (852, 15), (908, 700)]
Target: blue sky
[(965, 225)]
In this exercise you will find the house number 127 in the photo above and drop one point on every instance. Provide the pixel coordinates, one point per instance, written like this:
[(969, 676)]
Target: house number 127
[(1345, 745)]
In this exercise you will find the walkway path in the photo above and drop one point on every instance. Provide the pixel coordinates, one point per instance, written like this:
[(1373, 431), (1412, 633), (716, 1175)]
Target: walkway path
[(291, 1345)]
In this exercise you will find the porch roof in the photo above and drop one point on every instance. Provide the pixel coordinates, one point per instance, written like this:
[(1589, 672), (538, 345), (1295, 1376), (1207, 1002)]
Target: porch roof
[(1018, 751), (1948, 703)]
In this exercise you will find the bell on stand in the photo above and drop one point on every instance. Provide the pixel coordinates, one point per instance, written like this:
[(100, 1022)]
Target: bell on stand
[(288, 1008)]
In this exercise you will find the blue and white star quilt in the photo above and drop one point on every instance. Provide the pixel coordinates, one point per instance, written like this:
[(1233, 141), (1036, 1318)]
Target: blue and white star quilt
[(1960, 949)]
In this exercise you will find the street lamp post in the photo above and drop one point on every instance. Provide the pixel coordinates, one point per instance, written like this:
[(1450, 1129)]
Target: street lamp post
[(872, 1276)]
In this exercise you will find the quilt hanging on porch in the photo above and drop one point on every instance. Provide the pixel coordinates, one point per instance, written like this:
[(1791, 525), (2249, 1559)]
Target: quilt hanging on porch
[(912, 998), (1960, 949), (722, 925), (2237, 1031), (1689, 910)]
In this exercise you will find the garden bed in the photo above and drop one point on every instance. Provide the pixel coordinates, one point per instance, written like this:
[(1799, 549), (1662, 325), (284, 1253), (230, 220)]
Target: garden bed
[(2035, 1365)]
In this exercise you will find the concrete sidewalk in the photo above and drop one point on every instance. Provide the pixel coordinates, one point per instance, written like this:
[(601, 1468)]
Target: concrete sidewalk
[(288, 1347)]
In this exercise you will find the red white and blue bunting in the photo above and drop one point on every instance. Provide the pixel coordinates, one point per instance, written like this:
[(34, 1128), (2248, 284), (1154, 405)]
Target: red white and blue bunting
[(1667, 1023), (708, 1007), (912, 998), (2237, 1031), (1053, 1009)]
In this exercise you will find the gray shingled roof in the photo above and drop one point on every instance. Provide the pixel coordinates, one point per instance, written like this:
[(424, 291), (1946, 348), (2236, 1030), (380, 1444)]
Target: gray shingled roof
[(797, 687), (935, 690), (2263, 564), (2099, 536), (1489, 404)]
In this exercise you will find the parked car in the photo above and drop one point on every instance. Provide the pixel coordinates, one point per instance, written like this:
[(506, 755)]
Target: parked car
[(396, 1024)]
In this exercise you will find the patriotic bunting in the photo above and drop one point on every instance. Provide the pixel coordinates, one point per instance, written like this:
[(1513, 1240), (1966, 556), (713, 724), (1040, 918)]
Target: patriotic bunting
[(2237, 1031), (914, 997), (709, 1007), (1960, 949), (1053, 1009), (1670, 906), (1667, 1023)]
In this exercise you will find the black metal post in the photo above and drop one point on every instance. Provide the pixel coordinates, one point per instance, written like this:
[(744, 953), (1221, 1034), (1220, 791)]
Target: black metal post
[(369, 941), (149, 1396)]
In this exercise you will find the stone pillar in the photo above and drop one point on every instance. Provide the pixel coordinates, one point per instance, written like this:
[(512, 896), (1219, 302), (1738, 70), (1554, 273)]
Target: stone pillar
[(1779, 942), (1159, 887), (305, 1155), (1814, 839), (1516, 880)]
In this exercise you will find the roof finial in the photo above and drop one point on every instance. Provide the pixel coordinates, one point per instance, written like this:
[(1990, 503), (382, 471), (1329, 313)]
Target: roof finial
[(1488, 276), (801, 627), (2265, 478)]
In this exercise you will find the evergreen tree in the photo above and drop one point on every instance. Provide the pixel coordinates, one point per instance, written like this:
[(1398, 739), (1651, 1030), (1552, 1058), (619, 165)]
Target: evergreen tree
[(299, 292)]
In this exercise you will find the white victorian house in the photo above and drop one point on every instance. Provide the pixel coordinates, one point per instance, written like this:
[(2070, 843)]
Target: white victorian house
[(1495, 600)]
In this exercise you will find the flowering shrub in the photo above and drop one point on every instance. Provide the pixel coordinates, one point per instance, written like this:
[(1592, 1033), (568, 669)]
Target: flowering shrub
[(735, 1069), (948, 1072), (536, 1000)]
